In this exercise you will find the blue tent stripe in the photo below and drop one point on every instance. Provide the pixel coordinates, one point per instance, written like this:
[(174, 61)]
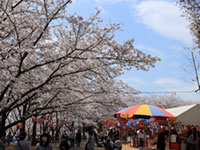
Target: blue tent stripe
[(156, 112)]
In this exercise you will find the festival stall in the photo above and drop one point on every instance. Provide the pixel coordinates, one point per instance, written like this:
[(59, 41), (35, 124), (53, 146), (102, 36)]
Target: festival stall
[(144, 112), (187, 114), (188, 117)]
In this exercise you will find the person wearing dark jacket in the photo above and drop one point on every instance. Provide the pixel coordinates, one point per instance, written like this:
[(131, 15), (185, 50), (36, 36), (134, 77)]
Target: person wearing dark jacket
[(9, 137), (44, 142), (161, 140), (64, 144), (3, 140), (78, 138)]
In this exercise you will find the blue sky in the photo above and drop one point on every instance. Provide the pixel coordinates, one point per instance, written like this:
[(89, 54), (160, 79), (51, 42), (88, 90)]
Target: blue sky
[(158, 29)]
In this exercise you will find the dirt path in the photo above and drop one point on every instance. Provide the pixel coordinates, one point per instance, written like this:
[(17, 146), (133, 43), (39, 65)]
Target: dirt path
[(125, 147), (55, 147)]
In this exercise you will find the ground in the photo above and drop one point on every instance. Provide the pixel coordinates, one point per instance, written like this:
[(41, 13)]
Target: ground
[(125, 147), (55, 147)]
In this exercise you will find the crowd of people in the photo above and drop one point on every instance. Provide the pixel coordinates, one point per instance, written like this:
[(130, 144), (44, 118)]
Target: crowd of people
[(23, 144), (190, 138), (67, 141), (111, 139)]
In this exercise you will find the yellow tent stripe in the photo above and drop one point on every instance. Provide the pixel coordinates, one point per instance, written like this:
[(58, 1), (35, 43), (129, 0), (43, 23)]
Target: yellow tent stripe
[(126, 115), (143, 110)]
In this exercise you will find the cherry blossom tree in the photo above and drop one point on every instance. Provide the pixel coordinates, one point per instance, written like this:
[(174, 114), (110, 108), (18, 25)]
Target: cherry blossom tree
[(24, 29), (52, 61), (191, 11)]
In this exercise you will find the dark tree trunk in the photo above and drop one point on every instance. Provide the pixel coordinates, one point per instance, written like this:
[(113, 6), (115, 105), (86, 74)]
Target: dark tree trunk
[(34, 142), (24, 125), (57, 133), (44, 127), (57, 128), (2, 121), (52, 131)]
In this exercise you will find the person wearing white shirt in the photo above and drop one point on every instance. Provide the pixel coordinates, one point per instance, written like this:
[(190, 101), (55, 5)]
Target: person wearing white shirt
[(141, 138)]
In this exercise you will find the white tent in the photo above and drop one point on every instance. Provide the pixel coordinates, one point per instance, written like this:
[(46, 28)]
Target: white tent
[(189, 114)]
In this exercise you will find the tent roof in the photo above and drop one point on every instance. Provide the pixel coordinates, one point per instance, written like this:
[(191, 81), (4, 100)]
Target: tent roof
[(176, 111)]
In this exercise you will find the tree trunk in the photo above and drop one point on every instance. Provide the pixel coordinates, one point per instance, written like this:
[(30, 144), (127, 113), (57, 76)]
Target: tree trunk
[(34, 142), (52, 131), (57, 133), (2, 121), (57, 128), (24, 125), (44, 127)]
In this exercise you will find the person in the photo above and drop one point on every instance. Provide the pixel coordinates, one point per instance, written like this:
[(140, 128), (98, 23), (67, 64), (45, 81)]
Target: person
[(3, 140), (64, 144), (140, 138), (195, 138), (117, 145), (161, 139), (16, 134), (78, 138), (116, 134), (107, 144), (44, 142), (111, 132), (192, 139), (72, 138), (9, 137), (95, 132), (90, 140), (22, 144)]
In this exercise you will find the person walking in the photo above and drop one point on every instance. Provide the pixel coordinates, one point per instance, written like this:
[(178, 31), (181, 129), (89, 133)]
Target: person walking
[(72, 138), (78, 138), (44, 142), (3, 140), (90, 140), (22, 144)]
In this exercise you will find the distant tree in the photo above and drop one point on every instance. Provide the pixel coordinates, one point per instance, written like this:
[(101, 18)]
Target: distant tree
[(161, 101)]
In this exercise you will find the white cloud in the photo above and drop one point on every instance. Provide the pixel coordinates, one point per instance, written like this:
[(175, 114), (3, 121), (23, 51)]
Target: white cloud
[(165, 18), (132, 81), (135, 80), (150, 50), (174, 84), (179, 87), (169, 83), (176, 47)]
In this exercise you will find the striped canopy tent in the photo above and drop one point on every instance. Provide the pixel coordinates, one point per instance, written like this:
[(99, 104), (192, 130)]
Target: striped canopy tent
[(144, 111)]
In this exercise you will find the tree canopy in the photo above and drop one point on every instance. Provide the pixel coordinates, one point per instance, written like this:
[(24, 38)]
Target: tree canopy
[(52, 61)]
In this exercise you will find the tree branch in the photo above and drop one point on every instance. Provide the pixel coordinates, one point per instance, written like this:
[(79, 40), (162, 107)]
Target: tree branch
[(17, 4), (47, 24)]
